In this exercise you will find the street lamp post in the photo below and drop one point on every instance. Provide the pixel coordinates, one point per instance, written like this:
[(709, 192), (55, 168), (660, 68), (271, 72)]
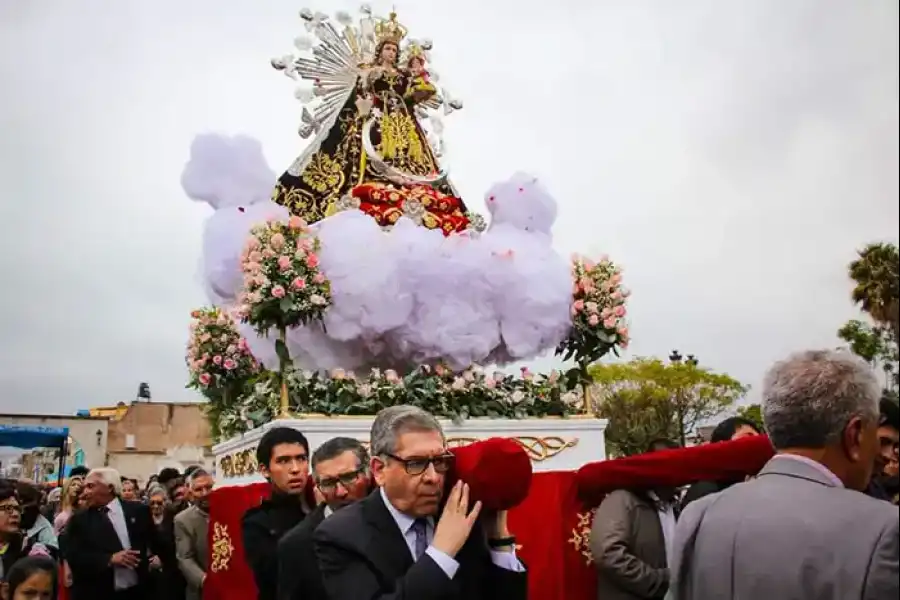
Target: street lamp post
[(676, 358)]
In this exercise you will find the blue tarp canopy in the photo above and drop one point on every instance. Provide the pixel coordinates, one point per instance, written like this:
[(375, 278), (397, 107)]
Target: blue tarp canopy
[(33, 436)]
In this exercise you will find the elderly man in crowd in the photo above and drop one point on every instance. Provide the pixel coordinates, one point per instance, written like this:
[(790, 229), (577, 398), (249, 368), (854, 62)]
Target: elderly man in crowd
[(108, 545), (341, 472), (801, 529), (406, 540), (191, 526)]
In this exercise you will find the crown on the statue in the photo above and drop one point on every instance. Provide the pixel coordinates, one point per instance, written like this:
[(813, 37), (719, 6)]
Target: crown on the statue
[(390, 30)]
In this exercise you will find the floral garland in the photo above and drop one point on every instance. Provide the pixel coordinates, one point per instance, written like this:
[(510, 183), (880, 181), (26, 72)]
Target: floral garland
[(217, 357), (283, 286), (470, 394)]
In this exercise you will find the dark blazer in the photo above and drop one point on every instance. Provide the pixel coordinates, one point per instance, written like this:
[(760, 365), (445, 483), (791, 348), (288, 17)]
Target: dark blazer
[(261, 527), (91, 542), (298, 572), (362, 554)]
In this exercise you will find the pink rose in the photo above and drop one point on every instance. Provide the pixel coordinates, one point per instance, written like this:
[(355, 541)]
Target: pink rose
[(268, 253), (319, 278), (284, 263), (615, 279), (277, 241), (304, 244), (578, 306), (296, 223), (619, 311), (217, 360), (204, 378), (593, 320), (609, 323), (278, 291), (255, 256), (229, 364), (298, 283), (591, 307), (312, 261)]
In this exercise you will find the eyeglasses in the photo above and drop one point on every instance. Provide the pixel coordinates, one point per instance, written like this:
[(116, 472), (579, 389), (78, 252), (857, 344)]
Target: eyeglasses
[(417, 465), (345, 479), (11, 509)]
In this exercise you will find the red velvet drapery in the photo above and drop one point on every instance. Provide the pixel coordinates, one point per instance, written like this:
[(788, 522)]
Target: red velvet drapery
[(552, 525)]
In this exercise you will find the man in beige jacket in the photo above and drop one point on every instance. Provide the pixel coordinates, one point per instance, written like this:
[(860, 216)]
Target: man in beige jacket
[(191, 526)]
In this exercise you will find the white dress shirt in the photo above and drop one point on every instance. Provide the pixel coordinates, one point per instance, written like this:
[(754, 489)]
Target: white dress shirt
[(504, 560), (125, 578)]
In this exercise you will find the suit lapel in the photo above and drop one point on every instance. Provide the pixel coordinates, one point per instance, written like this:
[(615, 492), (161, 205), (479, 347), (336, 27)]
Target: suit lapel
[(388, 550), (105, 529)]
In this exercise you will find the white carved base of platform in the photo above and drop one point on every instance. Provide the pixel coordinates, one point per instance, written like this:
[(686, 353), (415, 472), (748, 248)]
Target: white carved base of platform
[(553, 444)]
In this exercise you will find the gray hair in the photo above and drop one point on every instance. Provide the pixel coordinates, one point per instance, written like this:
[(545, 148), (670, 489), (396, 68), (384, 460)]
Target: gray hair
[(809, 398), (337, 446), (109, 477), (157, 490), (393, 421), (197, 474)]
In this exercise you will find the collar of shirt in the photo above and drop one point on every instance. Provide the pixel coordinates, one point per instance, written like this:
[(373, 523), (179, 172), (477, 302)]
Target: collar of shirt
[(404, 522), (328, 512), (815, 465), (114, 506)]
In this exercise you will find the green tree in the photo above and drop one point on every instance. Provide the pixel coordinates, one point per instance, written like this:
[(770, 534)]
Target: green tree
[(876, 277), (751, 412), (646, 399)]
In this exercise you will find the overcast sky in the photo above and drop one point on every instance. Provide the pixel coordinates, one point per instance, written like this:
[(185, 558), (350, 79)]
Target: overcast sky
[(730, 154)]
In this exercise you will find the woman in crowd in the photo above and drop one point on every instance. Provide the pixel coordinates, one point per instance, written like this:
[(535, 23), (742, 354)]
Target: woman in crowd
[(69, 503), (733, 428), (168, 582), (31, 578), (11, 542)]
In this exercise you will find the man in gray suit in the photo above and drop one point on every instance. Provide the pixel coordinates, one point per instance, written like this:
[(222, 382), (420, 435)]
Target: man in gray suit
[(801, 530), (191, 526)]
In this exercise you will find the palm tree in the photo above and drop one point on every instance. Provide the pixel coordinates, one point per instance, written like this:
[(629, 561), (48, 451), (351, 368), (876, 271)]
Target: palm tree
[(877, 290)]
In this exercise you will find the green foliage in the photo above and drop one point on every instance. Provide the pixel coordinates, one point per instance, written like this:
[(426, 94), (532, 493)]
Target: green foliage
[(457, 396), (646, 399), (872, 344), (752, 412), (876, 277)]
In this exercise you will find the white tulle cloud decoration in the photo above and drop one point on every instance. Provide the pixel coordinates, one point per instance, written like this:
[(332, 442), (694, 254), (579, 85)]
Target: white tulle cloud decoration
[(404, 296)]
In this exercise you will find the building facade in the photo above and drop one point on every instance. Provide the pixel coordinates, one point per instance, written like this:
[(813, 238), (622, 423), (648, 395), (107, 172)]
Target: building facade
[(88, 436), (145, 437)]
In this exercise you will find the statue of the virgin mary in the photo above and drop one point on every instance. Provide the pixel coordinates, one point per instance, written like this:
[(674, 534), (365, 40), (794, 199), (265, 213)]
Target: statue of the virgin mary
[(370, 150)]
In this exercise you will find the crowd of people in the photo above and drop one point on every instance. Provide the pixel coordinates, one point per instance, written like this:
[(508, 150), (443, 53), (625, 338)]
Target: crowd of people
[(819, 521), (102, 536)]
